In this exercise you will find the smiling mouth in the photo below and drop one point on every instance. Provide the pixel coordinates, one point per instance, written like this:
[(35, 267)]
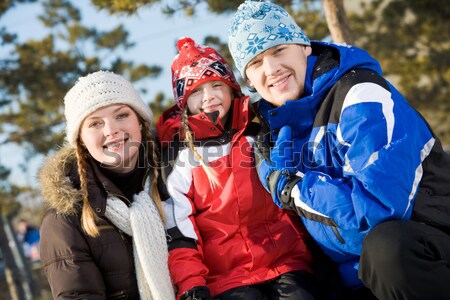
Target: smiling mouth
[(280, 82), (114, 145), (211, 107)]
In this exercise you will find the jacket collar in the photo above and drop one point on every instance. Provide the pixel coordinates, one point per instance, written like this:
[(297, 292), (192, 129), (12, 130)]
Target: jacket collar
[(60, 183), (202, 125)]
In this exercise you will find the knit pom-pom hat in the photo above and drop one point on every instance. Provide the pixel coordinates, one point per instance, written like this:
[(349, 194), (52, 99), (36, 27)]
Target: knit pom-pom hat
[(196, 64), (95, 91), (258, 26)]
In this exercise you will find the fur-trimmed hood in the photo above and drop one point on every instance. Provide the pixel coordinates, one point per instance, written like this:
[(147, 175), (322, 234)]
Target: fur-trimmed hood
[(57, 189)]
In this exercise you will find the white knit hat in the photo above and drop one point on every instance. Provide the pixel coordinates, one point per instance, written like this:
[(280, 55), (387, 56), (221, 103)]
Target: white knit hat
[(95, 91)]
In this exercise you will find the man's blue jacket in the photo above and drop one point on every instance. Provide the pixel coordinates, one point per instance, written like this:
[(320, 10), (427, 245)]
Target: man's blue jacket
[(361, 148)]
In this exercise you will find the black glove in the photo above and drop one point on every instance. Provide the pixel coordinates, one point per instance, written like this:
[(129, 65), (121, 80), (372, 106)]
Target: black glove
[(275, 167), (263, 145), (197, 293)]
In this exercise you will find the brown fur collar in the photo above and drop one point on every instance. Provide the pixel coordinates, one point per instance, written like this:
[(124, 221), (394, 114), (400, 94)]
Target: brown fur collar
[(56, 187)]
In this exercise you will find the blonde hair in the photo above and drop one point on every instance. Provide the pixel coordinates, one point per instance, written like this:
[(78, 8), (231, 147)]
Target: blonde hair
[(89, 218), (213, 178), (152, 155)]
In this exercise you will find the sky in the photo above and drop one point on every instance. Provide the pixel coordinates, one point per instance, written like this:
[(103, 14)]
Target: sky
[(154, 36)]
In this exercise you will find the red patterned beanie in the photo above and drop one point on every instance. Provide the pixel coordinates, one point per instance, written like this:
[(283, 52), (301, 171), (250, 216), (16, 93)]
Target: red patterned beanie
[(196, 64)]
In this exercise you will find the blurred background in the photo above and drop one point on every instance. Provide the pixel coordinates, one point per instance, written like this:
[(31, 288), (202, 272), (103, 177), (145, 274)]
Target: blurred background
[(46, 45)]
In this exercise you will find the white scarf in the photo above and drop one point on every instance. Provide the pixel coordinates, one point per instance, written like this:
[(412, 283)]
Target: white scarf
[(142, 221)]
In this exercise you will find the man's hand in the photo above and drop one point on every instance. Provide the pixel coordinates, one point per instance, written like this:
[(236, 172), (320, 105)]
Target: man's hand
[(276, 171)]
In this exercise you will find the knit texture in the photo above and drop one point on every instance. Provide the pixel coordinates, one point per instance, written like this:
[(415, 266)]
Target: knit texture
[(196, 64), (258, 26), (142, 221), (95, 91)]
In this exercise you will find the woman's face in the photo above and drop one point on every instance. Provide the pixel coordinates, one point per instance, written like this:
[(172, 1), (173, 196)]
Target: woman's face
[(211, 96), (112, 135)]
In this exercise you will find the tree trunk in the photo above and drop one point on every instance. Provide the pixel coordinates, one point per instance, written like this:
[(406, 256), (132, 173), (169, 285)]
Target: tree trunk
[(337, 21)]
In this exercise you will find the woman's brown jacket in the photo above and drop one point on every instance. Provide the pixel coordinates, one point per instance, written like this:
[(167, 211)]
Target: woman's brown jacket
[(78, 266)]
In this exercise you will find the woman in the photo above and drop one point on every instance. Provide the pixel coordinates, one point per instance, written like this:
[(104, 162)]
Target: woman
[(103, 235)]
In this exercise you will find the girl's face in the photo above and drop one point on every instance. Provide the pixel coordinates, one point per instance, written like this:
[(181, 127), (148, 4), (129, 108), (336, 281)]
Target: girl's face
[(211, 96), (112, 135)]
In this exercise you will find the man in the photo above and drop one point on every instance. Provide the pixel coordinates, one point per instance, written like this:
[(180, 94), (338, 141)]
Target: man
[(351, 156)]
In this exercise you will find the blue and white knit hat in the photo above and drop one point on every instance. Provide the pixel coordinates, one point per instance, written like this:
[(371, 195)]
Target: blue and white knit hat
[(258, 26)]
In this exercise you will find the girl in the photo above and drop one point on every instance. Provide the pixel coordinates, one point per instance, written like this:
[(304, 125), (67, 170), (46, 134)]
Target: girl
[(227, 239), (103, 236)]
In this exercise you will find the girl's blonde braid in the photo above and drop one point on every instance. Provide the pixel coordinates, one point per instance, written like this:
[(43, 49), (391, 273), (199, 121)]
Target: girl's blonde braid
[(210, 172)]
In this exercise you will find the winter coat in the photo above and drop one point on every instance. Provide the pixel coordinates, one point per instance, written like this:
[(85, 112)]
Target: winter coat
[(232, 235), (78, 266), (364, 151)]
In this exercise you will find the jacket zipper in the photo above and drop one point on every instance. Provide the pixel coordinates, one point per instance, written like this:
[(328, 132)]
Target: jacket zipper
[(121, 197), (118, 295)]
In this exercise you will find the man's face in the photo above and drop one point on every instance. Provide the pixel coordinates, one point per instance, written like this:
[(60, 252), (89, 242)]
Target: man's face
[(278, 74)]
